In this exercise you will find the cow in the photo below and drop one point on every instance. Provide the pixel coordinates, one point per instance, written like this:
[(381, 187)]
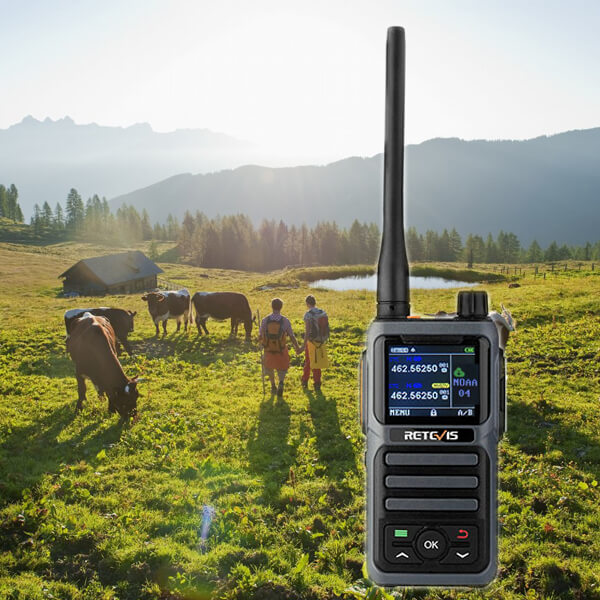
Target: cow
[(223, 305), (92, 347), (120, 320), (169, 305)]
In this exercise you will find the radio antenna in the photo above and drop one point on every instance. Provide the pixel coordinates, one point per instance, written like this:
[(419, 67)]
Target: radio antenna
[(392, 271)]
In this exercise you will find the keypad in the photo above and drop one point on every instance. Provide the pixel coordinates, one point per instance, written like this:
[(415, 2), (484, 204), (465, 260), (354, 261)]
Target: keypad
[(434, 505), (446, 544)]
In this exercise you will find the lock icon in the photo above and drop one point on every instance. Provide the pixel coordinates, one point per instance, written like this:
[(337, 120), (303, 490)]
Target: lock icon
[(433, 412)]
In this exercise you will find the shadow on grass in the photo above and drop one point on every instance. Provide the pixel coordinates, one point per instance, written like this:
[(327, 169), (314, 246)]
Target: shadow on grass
[(51, 365), (195, 349), (31, 451), (336, 453), (536, 428), (268, 451)]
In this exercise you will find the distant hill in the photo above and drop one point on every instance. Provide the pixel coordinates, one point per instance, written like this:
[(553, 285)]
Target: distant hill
[(546, 188), (46, 158)]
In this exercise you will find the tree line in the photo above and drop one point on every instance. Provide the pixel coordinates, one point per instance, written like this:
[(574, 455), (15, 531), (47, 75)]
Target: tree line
[(9, 203), (505, 248), (235, 242)]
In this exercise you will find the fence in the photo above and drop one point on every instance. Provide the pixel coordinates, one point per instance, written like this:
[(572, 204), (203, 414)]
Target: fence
[(541, 270)]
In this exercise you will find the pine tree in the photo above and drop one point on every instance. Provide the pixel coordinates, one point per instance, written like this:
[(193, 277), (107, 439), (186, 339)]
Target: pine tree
[(474, 251), (36, 219), (551, 254), (3, 202), (415, 245), (431, 245), (491, 250), (75, 212), (444, 250), (456, 246), (172, 228), (564, 252), (146, 225), (13, 210), (534, 252), (59, 219), (153, 250), (47, 216)]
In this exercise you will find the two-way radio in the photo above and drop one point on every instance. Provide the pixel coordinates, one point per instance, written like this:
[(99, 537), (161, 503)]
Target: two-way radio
[(433, 407)]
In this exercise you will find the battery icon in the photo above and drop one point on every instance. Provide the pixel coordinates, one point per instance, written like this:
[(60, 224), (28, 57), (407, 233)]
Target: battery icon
[(400, 533)]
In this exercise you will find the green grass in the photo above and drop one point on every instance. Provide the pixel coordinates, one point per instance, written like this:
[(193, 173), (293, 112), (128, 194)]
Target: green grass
[(91, 508)]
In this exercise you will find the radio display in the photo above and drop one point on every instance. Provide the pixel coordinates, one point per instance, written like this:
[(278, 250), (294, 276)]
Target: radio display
[(433, 383)]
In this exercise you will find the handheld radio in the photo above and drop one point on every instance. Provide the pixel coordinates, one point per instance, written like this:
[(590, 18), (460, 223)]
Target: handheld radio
[(433, 407)]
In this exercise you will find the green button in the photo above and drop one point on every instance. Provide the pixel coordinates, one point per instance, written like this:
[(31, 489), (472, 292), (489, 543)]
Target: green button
[(401, 533)]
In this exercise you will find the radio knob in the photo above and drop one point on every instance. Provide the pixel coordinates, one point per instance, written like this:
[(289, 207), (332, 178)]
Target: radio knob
[(472, 305)]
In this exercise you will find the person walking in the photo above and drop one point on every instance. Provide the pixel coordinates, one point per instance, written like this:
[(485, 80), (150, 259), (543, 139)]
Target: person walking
[(274, 331), (316, 336)]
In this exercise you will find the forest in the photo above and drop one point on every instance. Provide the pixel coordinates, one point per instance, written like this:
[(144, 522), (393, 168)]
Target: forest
[(9, 204), (236, 242)]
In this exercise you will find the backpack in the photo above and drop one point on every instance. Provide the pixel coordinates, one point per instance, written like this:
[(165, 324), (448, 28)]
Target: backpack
[(274, 336), (318, 326)]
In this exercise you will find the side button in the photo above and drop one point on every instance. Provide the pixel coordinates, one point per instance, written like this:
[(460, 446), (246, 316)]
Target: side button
[(362, 393), (502, 396)]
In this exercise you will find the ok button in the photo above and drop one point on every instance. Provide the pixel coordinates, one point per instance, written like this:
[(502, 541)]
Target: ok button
[(431, 544)]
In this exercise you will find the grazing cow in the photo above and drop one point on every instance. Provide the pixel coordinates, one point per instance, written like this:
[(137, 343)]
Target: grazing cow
[(169, 305), (92, 346), (120, 320), (223, 305)]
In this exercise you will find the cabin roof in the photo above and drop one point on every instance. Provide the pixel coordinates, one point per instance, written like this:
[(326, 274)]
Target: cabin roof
[(115, 268)]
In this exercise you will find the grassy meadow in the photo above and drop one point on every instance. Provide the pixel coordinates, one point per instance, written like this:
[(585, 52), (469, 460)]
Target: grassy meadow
[(91, 508)]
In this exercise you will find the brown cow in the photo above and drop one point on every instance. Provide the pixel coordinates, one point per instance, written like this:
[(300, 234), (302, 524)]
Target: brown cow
[(169, 305), (223, 305), (121, 321), (92, 346)]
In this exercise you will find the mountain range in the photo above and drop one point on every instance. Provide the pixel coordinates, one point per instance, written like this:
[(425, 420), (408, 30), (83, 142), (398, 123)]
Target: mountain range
[(45, 159), (547, 188)]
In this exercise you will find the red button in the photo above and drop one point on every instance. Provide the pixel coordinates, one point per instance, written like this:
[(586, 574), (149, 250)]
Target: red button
[(458, 533)]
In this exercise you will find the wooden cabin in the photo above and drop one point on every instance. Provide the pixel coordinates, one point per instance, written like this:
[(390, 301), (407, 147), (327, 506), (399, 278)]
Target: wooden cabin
[(123, 273)]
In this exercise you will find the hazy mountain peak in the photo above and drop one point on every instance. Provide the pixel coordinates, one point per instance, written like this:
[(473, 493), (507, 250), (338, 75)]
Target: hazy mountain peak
[(46, 158), (26, 121)]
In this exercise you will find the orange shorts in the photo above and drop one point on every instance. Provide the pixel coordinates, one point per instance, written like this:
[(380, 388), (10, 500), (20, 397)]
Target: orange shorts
[(280, 361)]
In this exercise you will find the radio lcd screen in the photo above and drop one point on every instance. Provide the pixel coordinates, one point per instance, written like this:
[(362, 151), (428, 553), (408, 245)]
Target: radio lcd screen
[(432, 382)]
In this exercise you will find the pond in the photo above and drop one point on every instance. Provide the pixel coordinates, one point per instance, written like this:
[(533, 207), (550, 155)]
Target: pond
[(369, 282)]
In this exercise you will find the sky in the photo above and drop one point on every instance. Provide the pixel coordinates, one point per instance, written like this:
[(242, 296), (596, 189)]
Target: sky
[(307, 77)]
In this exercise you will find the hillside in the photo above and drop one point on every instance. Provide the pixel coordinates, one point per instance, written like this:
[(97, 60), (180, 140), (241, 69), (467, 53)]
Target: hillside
[(545, 188), (90, 508), (45, 159)]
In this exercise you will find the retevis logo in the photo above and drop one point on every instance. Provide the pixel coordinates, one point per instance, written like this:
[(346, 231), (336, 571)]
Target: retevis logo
[(431, 435)]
